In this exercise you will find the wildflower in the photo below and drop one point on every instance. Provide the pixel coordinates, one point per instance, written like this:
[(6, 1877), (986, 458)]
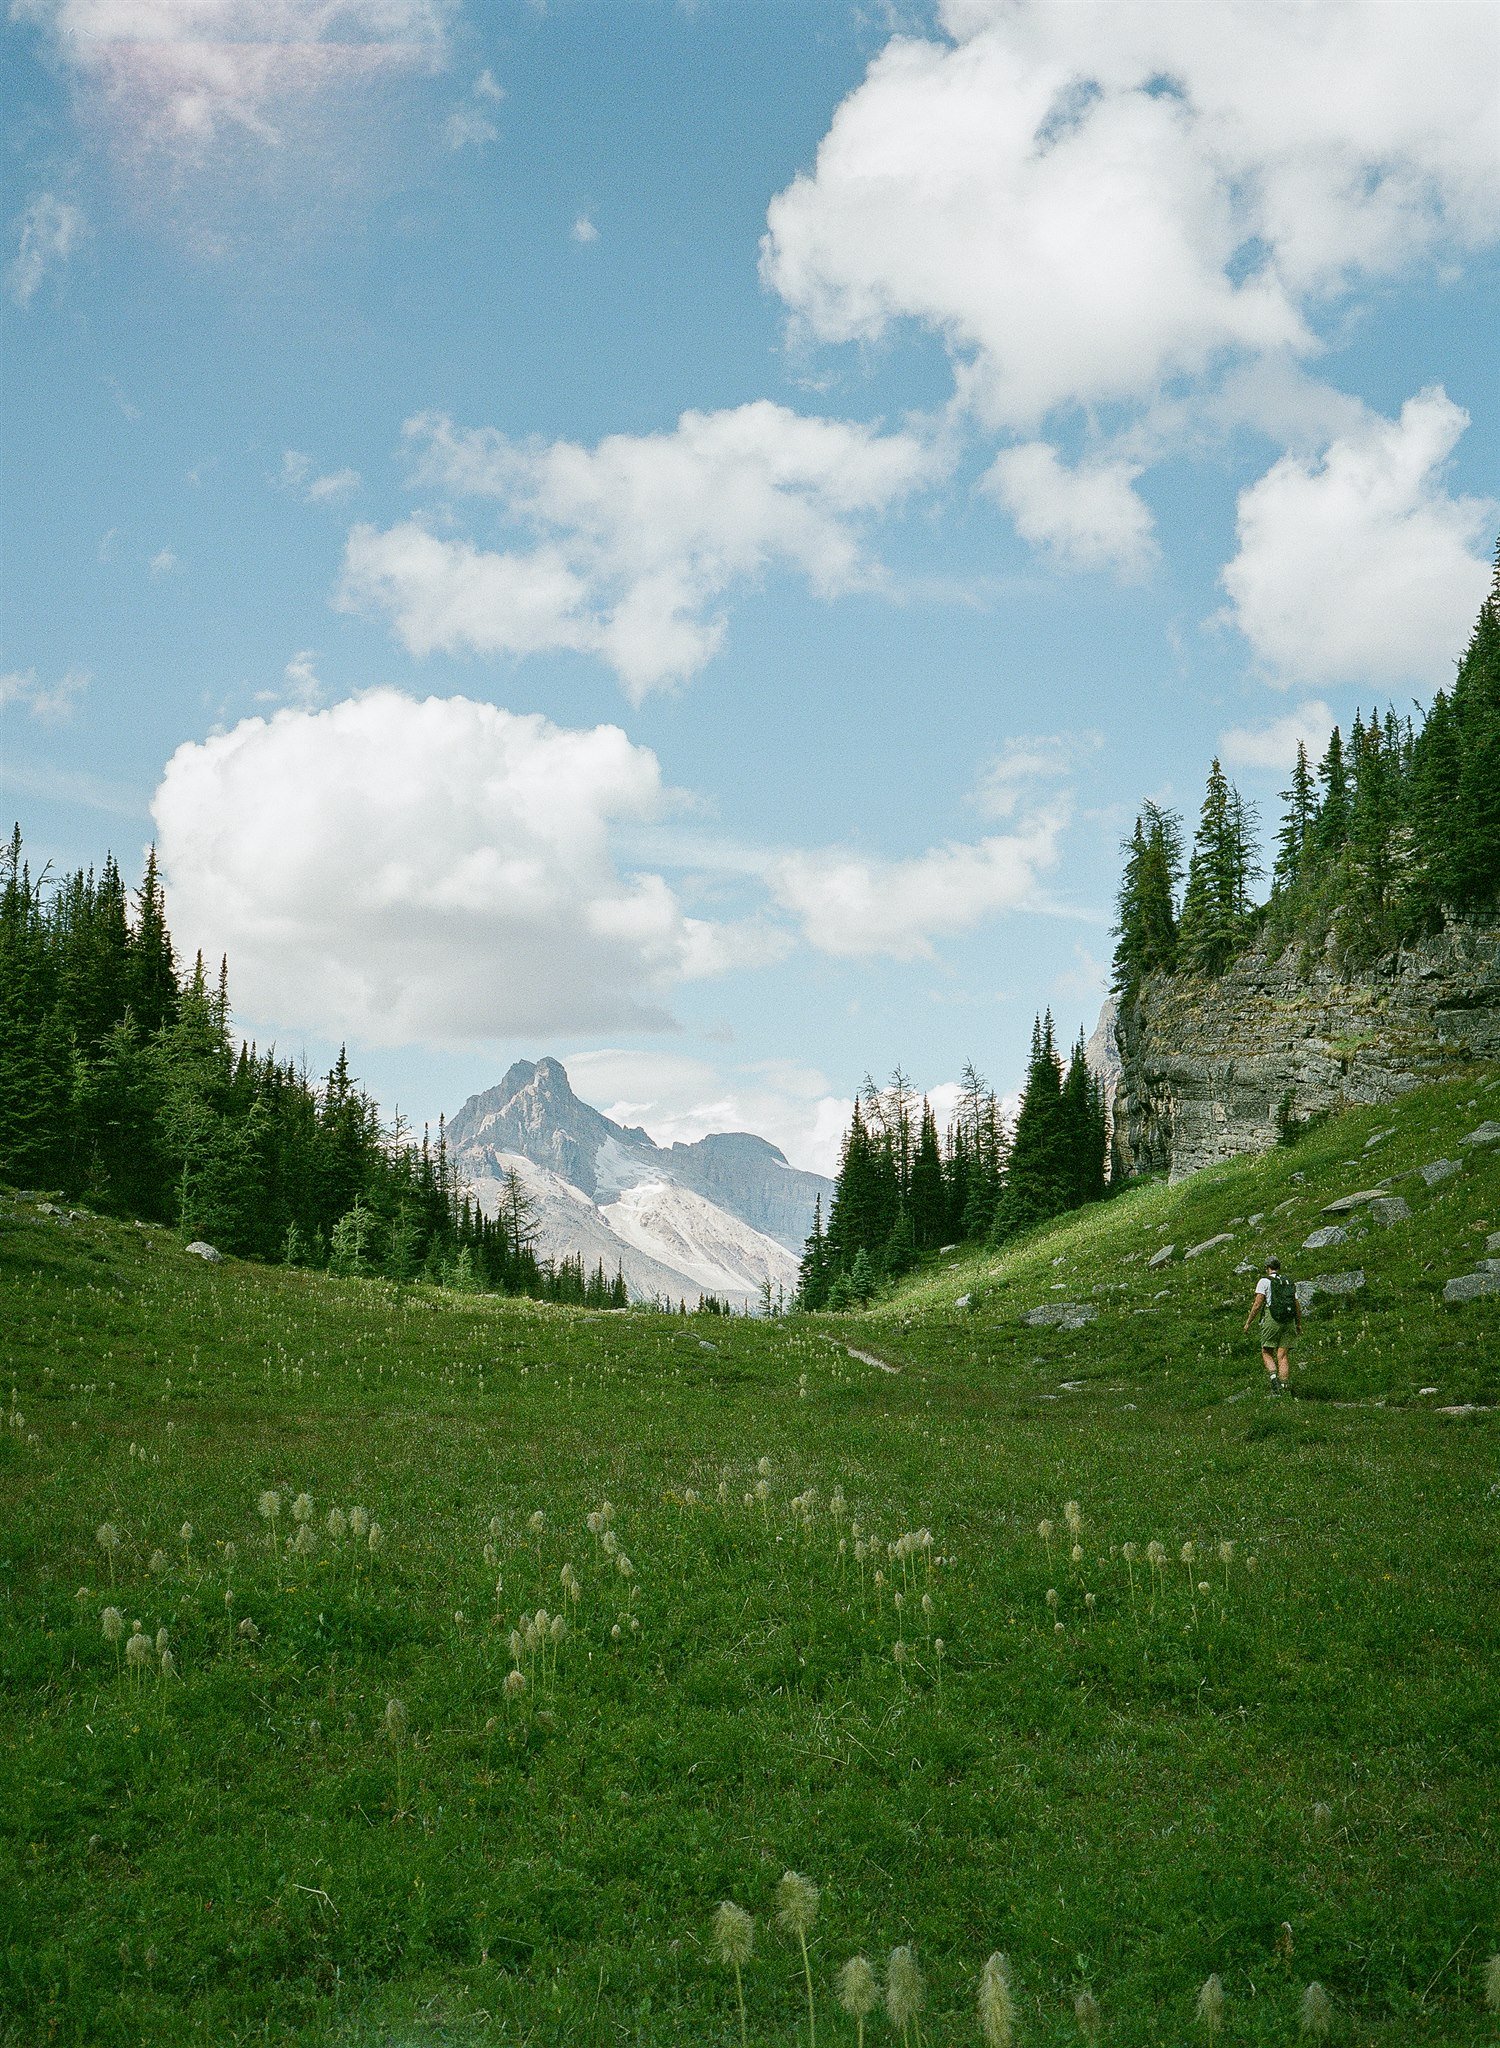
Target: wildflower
[(514, 1685), (359, 1524), (1492, 1983), (536, 1522), (763, 1467), (185, 1534), (305, 1543), (138, 1649), (107, 1536), (1052, 1598), (1210, 2006), (161, 1642), (796, 1910), (1322, 1816), (997, 2011), (1316, 2012), (336, 1524), (269, 1504), (1089, 1602), (158, 1562), (112, 1621), (593, 1523), (376, 1539), (557, 1630), (1073, 1516), (734, 1937), (1156, 1554), (168, 1664), (1075, 1555), (905, 1993), (1226, 1551), (857, 1992), (302, 1508), (231, 1552), (248, 1631), (496, 1528), (1086, 2012), (1186, 1554), (395, 1720), (614, 1634), (1203, 1588)]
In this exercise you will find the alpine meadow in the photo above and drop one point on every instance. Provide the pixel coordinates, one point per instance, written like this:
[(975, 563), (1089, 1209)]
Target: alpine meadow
[(750, 1024)]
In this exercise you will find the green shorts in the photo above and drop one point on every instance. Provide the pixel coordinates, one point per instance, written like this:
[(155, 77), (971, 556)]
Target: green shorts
[(1275, 1336)]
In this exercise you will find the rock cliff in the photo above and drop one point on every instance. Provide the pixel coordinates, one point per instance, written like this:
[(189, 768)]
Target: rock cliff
[(1209, 1069)]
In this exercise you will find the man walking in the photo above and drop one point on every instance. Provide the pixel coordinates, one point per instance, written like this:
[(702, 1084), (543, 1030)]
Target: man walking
[(1280, 1315)]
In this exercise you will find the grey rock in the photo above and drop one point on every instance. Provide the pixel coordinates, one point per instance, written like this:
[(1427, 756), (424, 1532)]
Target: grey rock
[(1320, 1240), (1245, 1266), (199, 1250), (1379, 1138), (1347, 1202), (1162, 1258), (1061, 1315), (1487, 1265), (1281, 1207), (48, 1209), (1436, 1171), (1492, 1242), (1470, 1286), (1209, 1244), (704, 1345), (964, 1301), (1330, 1283), (1487, 1134), (1390, 1209), (1258, 1217)]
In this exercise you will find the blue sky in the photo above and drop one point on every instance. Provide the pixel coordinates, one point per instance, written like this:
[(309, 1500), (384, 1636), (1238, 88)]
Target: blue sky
[(679, 536)]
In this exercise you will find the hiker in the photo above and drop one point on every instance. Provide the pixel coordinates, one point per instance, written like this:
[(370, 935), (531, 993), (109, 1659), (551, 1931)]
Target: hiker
[(1280, 1313)]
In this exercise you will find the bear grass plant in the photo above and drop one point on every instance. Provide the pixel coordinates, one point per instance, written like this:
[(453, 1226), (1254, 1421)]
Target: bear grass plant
[(1260, 1752)]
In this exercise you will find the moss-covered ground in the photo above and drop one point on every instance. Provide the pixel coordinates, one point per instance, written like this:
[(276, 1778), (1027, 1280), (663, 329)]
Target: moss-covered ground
[(1272, 1756)]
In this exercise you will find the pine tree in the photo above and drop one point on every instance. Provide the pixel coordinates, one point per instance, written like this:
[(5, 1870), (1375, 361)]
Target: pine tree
[(928, 1197), (1040, 1173), (1296, 825), (1216, 901), (1146, 921)]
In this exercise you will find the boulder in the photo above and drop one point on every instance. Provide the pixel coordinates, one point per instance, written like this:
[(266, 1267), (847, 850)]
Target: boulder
[(1320, 1240), (1390, 1209), (1438, 1170), (1209, 1244), (199, 1250), (964, 1301), (1470, 1286), (1492, 1242), (1347, 1202), (1487, 1134), (1162, 1258), (1061, 1315), (1379, 1138), (1330, 1283)]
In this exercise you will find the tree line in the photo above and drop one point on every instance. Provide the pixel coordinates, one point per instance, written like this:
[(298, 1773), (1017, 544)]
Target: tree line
[(122, 1084), (904, 1189), (1394, 833)]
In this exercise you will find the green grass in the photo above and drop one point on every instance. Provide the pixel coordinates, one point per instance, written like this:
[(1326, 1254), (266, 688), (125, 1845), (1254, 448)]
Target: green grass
[(1288, 1777)]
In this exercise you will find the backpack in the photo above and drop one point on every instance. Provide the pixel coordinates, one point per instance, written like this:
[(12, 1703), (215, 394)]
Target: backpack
[(1281, 1302)]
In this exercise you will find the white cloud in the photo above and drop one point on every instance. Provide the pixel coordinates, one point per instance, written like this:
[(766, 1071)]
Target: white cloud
[(636, 542), (677, 1099), (469, 128), (185, 71), (405, 870), (299, 474), (1090, 516), (488, 87), (1275, 745), (304, 686), (1361, 567), (49, 703), (163, 562), (583, 230), (1088, 200), (50, 230), (1022, 762), (855, 905)]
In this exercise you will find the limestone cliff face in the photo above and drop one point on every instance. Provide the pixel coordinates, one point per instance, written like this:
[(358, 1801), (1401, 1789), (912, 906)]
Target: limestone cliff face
[(1207, 1065)]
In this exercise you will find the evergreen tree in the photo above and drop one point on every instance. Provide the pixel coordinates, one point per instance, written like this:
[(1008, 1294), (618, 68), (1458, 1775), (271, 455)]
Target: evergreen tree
[(927, 1203), (1041, 1171), (1146, 922), (1216, 901), (1297, 822)]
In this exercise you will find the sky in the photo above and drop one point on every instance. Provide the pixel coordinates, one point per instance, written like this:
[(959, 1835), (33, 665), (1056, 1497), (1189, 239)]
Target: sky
[(680, 536)]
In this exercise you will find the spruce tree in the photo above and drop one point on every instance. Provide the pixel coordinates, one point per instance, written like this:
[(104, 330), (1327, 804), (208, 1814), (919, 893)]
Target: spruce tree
[(927, 1201), (1216, 901), (1040, 1172)]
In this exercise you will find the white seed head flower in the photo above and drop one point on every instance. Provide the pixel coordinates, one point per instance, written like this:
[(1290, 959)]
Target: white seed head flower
[(1075, 1555), (624, 1567), (614, 1634), (515, 1684), (927, 1603), (610, 1542), (1226, 1551), (1315, 2013), (1203, 1586), (248, 1630), (337, 1525), (762, 1489), (112, 1621), (763, 1467), (898, 1599), (138, 1649), (231, 1552), (302, 1508), (496, 1528), (1073, 1516), (796, 1903), (185, 1533), (1052, 1597), (1186, 1554), (1322, 1816), (1090, 1602), (1492, 1983), (536, 1522), (857, 1988), (107, 1536), (905, 1992), (269, 1504), (1210, 2006), (1156, 1553), (898, 1651), (161, 1641), (734, 1934), (376, 1538), (359, 1523), (1044, 1530), (997, 2010), (1089, 2017), (558, 1628), (306, 1542), (158, 1562), (1130, 1552), (594, 1522), (168, 1664), (395, 1720)]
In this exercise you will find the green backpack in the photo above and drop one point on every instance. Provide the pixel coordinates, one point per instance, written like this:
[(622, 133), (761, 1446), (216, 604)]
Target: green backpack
[(1281, 1302)]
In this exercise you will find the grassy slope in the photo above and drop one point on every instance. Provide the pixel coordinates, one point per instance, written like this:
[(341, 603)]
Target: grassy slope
[(1127, 1799)]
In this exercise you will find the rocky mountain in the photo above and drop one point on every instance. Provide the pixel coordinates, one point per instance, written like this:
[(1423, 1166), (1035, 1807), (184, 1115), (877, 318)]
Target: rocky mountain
[(720, 1216), (1211, 1068)]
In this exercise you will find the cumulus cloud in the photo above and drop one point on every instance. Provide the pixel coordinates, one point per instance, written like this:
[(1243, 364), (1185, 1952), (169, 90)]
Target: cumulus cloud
[(856, 906), (1360, 566), (299, 473), (634, 544), (1274, 745), (48, 703), (185, 71), (50, 230), (408, 870), (1090, 516), (1088, 200)]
